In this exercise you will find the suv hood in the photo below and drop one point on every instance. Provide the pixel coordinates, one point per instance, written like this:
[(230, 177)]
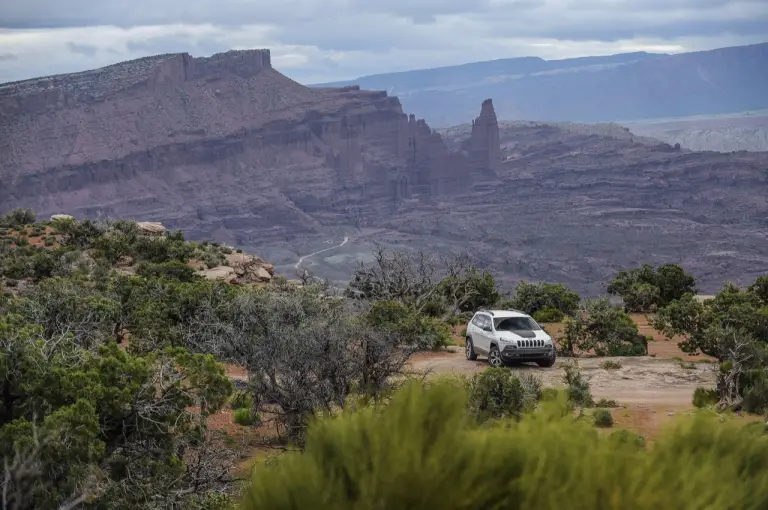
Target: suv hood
[(524, 334)]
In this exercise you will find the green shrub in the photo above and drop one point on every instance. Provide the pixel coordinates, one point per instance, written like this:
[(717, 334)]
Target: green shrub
[(245, 416), (756, 391), (10, 282), (534, 297), (498, 393), (606, 403), (603, 418), (424, 452), (173, 270), (416, 329), (43, 264), (463, 333), (50, 241), (176, 236), (239, 250), (241, 399), (18, 218), (603, 329), (454, 320), (610, 364), (577, 386), (645, 288), (704, 397), (549, 315)]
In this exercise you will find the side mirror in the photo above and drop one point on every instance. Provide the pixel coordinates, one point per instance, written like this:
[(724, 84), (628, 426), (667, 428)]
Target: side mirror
[(487, 328)]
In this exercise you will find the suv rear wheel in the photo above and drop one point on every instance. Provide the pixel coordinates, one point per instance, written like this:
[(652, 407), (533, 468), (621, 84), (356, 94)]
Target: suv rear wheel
[(470, 350)]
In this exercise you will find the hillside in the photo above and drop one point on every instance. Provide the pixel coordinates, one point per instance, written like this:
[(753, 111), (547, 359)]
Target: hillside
[(593, 89), (226, 148), (724, 133)]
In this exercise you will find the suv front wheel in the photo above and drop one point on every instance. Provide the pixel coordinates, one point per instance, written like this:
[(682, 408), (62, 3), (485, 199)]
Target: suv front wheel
[(494, 357), (546, 363)]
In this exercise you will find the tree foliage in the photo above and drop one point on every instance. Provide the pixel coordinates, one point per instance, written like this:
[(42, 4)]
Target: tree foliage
[(646, 288), (100, 423), (535, 298), (603, 329), (17, 218), (416, 330), (733, 328), (437, 286)]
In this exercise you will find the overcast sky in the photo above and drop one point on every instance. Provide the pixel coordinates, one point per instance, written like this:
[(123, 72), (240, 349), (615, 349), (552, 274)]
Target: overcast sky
[(325, 40)]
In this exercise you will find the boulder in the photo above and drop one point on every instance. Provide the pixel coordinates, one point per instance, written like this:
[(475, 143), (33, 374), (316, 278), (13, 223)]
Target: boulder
[(62, 217), (262, 274), (224, 273), (150, 227)]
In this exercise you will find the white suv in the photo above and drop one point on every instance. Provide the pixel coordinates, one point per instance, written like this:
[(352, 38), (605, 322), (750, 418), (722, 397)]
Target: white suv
[(507, 336)]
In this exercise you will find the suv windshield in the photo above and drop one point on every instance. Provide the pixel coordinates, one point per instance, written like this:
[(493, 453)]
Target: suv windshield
[(515, 324)]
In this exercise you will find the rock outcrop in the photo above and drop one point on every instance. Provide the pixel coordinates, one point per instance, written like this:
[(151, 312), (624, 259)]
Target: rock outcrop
[(150, 227), (484, 145), (222, 147)]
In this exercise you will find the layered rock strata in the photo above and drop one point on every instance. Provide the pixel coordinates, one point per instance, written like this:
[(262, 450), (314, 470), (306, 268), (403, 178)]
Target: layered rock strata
[(224, 146)]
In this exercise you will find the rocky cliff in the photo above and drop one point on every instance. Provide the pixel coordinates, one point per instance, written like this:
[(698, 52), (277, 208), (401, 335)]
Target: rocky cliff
[(220, 146), (229, 149)]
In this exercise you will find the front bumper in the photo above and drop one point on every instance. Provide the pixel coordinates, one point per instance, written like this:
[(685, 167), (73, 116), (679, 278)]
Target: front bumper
[(514, 353)]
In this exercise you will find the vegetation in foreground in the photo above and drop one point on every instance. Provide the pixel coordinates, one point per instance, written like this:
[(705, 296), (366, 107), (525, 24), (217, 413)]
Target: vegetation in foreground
[(110, 374), (425, 451)]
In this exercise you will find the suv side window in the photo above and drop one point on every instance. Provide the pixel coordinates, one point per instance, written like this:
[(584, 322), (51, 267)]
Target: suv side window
[(483, 321), (478, 320)]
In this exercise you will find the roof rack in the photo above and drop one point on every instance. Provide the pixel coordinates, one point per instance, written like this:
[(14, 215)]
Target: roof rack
[(490, 312)]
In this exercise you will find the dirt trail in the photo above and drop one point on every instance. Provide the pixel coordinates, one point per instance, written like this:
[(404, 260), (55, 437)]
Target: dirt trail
[(641, 380), (304, 257)]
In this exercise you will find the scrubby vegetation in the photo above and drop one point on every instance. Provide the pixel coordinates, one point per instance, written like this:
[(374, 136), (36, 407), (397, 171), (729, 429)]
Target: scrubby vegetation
[(499, 393), (546, 302), (603, 329), (646, 288), (733, 328), (425, 451), (577, 386), (112, 353), (610, 364), (603, 418), (110, 375)]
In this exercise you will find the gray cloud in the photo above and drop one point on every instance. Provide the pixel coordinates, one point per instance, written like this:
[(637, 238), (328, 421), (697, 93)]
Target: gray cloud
[(539, 18), (323, 40), (88, 50)]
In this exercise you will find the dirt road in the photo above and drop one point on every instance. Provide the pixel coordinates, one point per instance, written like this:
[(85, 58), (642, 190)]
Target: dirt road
[(303, 258), (641, 380)]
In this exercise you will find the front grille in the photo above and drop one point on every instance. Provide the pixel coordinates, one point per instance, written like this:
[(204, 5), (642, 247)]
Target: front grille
[(530, 343)]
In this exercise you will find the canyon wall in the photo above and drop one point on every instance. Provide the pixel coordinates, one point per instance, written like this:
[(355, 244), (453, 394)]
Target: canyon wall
[(217, 144)]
